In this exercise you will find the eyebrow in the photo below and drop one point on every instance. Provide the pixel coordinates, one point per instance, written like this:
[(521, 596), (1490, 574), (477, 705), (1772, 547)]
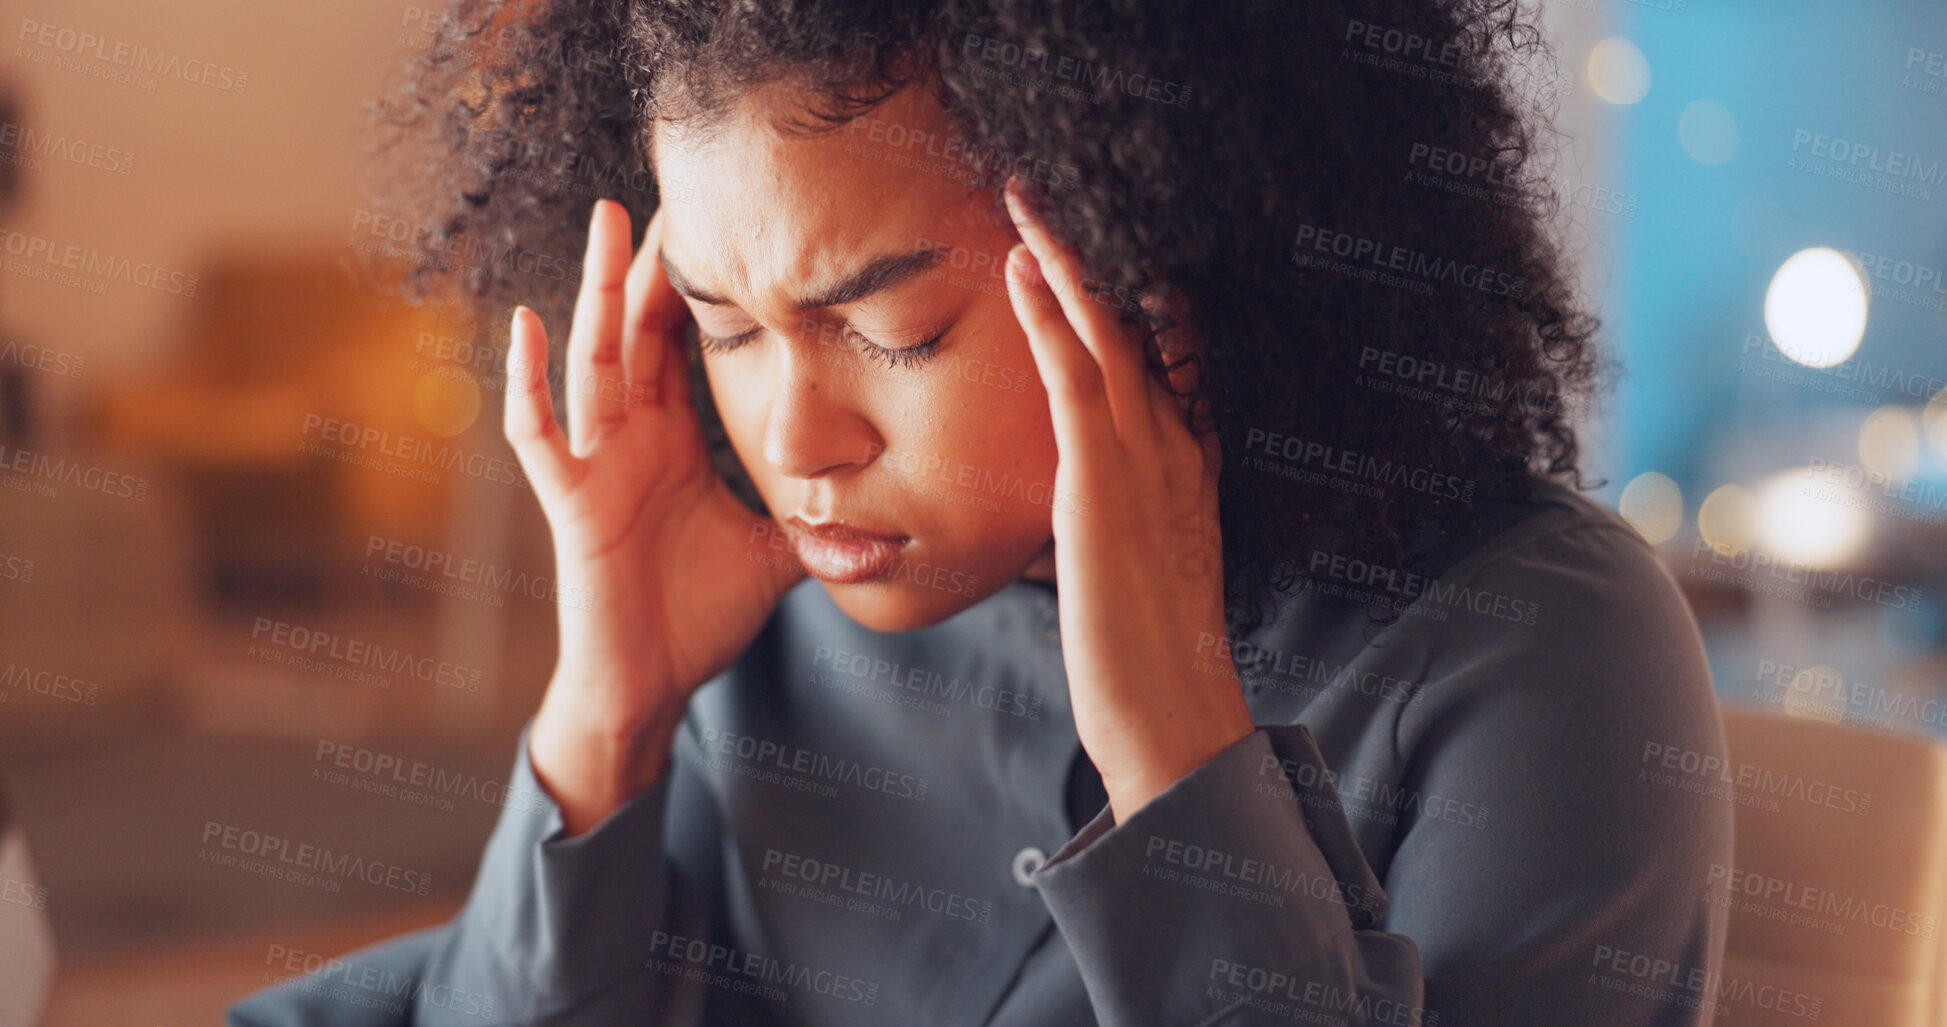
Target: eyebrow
[(877, 276)]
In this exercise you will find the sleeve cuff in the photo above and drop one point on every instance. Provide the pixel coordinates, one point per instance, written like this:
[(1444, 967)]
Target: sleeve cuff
[(1232, 863), (572, 914)]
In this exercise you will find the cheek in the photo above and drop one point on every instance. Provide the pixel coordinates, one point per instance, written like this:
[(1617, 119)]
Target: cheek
[(1019, 438), (726, 388), (739, 399), (987, 420), (1019, 434)]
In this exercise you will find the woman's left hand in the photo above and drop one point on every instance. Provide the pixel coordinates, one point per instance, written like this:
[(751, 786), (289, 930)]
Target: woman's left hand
[(1138, 556)]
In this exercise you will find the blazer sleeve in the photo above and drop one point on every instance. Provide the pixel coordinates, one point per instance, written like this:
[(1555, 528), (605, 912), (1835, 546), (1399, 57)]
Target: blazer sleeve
[(556, 930), (587, 931), (1240, 896), (1230, 895)]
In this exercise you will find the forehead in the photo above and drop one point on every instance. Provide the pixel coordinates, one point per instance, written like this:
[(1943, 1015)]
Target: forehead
[(757, 212)]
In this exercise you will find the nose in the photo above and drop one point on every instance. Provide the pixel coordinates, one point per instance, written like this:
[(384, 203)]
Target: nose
[(812, 427)]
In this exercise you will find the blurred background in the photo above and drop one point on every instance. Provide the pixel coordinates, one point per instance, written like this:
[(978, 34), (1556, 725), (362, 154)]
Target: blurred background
[(264, 571)]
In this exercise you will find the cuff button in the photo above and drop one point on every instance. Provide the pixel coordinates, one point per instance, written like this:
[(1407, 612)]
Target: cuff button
[(1026, 862)]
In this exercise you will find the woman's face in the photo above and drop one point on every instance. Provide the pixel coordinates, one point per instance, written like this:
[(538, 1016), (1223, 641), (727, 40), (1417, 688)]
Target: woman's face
[(870, 371)]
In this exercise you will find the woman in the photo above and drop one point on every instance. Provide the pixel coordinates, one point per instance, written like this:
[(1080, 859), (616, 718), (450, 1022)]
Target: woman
[(1200, 633)]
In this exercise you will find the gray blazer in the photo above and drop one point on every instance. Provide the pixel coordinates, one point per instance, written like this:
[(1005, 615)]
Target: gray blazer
[(1470, 817)]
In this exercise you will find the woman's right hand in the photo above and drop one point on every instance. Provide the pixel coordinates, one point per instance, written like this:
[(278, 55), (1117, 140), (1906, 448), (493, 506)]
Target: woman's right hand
[(664, 576)]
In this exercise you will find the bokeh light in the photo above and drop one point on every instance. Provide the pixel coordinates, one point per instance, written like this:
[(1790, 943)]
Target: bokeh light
[(1933, 424), (1652, 504), (1806, 520), (1815, 308), (1708, 132), (444, 406), (1889, 443), (1618, 71), (1726, 518)]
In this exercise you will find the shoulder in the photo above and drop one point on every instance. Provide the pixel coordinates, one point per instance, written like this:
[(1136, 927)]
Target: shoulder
[(1518, 560), (1561, 565), (1563, 623), (1556, 530), (1541, 726)]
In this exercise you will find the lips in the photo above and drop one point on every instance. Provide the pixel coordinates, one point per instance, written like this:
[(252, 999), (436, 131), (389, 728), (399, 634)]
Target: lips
[(841, 553)]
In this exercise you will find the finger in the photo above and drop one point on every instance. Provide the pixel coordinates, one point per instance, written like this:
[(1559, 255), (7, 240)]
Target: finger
[(1104, 334), (652, 311), (1178, 435), (641, 347), (597, 400), (528, 420), (1171, 411), (1076, 400), (638, 365), (1181, 349)]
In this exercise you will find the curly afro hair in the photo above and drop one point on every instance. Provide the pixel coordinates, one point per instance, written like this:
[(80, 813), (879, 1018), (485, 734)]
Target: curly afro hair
[(1351, 195)]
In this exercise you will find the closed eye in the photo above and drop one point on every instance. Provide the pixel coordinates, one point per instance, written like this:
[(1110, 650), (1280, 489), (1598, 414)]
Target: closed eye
[(723, 344), (906, 356)]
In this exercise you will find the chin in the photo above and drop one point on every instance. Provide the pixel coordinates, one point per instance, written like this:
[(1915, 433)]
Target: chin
[(901, 606)]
